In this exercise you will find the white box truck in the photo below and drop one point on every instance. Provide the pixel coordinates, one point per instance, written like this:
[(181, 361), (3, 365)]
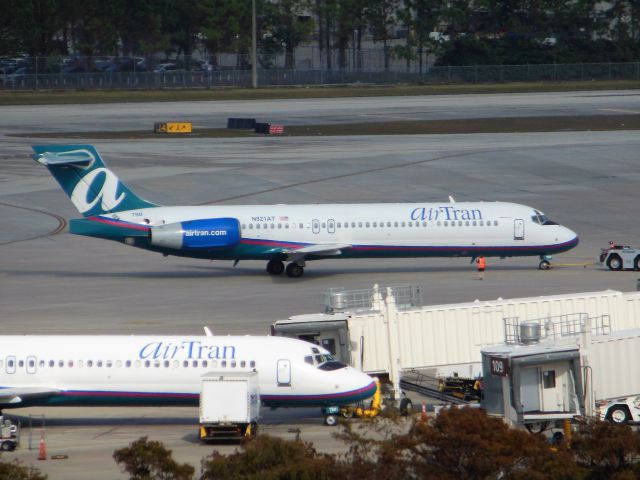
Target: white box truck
[(615, 367), (229, 405)]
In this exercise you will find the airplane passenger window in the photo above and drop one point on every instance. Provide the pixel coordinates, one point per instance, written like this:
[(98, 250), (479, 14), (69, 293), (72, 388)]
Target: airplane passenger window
[(353, 224), (273, 225), (214, 364), (21, 363), (367, 224), (381, 224), (403, 224), (185, 363), (481, 223), (223, 364), (265, 226), (445, 224), (118, 363), (109, 363), (410, 224), (156, 363), (252, 364), (251, 226), (389, 224), (243, 364), (204, 363), (80, 363), (166, 363), (147, 363), (439, 224), (138, 363), (459, 223), (41, 363), (10, 363), (70, 363), (424, 224), (233, 364), (300, 225), (279, 225), (359, 224), (286, 225), (467, 223), (89, 363), (257, 226), (495, 223), (176, 364), (475, 223), (395, 224), (32, 363), (195, 363), (243, 226), (127, 364), (61, 363), (375, 224)]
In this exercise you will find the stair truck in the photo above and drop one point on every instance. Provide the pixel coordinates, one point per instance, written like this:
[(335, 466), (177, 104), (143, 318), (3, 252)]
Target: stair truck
[(229, 406)]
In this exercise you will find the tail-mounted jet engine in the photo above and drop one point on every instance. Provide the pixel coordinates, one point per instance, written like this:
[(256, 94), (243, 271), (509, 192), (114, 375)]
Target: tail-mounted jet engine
[(197, 234)]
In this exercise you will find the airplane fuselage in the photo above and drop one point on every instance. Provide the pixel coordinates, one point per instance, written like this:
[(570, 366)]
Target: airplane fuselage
[(167, 370)]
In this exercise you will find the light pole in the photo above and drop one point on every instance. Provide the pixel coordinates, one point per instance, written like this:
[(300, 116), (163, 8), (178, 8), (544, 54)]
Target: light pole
[(254, 47)]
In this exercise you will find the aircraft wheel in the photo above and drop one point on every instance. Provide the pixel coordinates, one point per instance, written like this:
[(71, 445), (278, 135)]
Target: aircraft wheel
[(331, 420), (544, 265), (637, 262), (275, 267), (294, 270)]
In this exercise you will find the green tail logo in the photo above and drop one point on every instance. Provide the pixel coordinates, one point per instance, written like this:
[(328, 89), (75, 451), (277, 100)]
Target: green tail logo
[(91, 186)]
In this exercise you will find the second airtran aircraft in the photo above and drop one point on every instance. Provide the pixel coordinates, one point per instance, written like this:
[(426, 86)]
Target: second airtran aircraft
[(297, 233)]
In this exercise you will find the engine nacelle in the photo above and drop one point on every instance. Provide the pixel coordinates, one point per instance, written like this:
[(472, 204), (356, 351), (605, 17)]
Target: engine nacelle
[(197, 234)]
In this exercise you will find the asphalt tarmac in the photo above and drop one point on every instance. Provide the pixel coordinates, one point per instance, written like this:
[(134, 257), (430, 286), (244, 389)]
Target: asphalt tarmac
[(53, 282)]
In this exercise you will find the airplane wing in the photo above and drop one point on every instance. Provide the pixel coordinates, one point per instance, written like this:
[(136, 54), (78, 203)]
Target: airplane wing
[(316, 249), (19, 394)]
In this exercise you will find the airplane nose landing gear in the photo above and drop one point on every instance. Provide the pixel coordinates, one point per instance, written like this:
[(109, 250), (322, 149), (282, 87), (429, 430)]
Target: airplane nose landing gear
[(545, 262)]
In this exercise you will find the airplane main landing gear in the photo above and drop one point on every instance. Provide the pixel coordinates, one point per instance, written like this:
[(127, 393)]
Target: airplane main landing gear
[(294, 270), (275, 267)]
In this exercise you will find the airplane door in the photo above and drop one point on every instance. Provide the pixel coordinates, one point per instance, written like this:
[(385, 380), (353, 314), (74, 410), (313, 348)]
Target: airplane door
[(331, 225), (31, 364), (315, 226), (518, 229), (11, 365), (284, 373)]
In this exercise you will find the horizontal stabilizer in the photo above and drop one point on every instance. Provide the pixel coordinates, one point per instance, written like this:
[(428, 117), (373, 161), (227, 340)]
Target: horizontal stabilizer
[(81, 159)]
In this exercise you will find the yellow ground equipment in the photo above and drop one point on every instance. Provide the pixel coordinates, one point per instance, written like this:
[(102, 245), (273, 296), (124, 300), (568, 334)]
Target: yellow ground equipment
[(173, 127), (359, 411)]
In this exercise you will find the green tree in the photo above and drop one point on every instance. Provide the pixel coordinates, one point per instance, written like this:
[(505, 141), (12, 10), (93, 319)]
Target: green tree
[(607, 450), (381, 17), (17, 471), (147, 459), (285, 28), (269, 458)]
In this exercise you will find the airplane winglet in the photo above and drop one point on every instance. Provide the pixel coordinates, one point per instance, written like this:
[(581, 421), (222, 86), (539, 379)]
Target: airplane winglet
[(208, 332)]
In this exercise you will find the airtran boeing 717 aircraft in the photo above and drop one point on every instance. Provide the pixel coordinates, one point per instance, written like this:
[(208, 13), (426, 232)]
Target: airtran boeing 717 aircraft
[(166, 370), (297, 233)]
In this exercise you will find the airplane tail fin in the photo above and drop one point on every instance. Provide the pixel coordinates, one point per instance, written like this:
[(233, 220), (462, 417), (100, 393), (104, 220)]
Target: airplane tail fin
[(91, 186)]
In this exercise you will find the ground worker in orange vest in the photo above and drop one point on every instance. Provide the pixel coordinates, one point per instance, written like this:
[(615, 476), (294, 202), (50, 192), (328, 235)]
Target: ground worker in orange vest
[(482, 264)]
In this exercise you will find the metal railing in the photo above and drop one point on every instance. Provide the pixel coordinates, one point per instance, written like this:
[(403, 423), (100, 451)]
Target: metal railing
[(341, 300), (517, 332)]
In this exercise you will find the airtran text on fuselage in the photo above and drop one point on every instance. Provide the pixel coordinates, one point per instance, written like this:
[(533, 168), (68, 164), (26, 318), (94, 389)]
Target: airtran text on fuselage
[(445, 213), (187, 350)]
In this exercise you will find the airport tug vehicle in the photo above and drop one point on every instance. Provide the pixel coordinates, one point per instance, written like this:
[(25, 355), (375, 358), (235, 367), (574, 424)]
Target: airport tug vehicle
[(618, 257)]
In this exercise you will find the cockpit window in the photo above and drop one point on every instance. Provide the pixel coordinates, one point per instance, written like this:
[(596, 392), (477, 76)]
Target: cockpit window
[(331, 365), (309, 359), (315, 350), (540, 218)]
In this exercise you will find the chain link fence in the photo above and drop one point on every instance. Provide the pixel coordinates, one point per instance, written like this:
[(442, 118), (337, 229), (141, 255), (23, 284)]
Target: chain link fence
[(230, 70)]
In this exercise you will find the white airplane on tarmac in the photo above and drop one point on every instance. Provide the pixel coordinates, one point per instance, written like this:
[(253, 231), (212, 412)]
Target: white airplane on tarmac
[(297, 233), (125, 370)]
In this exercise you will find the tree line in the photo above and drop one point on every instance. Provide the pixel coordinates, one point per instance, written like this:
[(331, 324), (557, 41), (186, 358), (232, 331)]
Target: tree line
[(458, 443), (456, 32)]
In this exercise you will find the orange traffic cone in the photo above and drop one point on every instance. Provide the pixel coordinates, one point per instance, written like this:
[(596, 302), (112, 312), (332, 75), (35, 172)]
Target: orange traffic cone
[(423, 414), (43, 450)]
